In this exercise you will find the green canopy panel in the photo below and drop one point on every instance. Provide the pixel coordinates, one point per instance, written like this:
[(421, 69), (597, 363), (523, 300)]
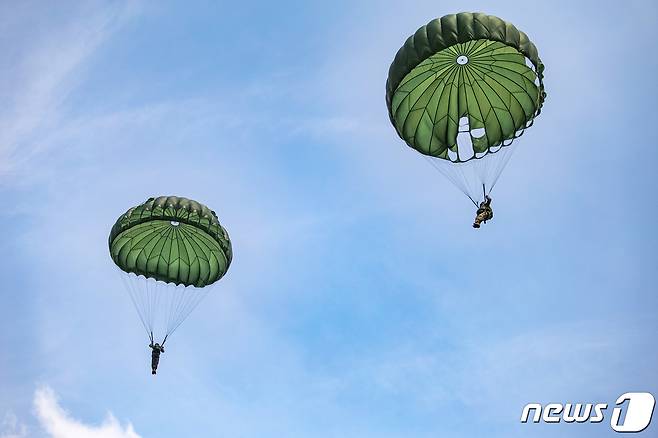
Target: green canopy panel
[(466, 67), (171, 239)]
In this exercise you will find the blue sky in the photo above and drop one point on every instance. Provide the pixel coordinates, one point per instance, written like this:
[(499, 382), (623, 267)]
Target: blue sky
[(360, 302)]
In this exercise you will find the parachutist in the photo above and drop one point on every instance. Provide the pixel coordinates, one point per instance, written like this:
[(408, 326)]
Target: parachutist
[(459, 124), (155, 356), (180, 234), (484, 212)]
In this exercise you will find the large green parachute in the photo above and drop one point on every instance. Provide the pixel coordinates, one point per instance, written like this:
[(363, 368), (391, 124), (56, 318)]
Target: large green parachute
[(460, 90), (172, 249)]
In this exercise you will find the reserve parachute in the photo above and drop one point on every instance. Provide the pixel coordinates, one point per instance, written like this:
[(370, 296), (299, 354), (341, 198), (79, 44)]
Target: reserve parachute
[(460, 91), (170, 252)]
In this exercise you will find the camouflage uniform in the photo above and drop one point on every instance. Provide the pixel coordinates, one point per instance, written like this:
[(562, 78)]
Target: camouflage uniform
[(155, 356), (484, 212)]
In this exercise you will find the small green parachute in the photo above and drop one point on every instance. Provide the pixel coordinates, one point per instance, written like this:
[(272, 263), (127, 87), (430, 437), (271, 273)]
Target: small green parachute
[(460, 90), (170, 249)]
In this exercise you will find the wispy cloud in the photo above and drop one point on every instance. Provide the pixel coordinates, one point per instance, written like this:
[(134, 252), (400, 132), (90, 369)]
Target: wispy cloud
[(48, 63)]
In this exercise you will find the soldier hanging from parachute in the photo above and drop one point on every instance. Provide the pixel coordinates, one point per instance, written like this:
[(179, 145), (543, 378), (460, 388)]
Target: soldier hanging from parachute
[(170, 251), (460, 91)]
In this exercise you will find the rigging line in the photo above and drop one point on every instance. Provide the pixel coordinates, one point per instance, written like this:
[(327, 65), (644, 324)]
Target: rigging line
[(451, 175), (199, 295), (132, 298), (469, 174), (497, 165), (152, 297), (168, 293), (140, 306), (132, 280), (481, 172), (194, 300), (505, 160), (141, 289), (466, 171), (185, 297), (458, 184), (179, 316), (140, 294), (172, 292), (178, 295), (188, 298), (484, 171), (461, 170), (448, 176), (183, 317), (136, 298), (181, 296), (149, 300), (159, 293)]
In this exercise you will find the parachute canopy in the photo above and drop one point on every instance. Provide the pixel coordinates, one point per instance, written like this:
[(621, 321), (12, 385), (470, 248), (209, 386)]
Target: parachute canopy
[(171, 239), (464, 65), (173, 250), (462, 88)]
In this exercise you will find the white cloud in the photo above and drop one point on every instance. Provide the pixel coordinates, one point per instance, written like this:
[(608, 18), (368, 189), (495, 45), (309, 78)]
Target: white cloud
[(57, 423)]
